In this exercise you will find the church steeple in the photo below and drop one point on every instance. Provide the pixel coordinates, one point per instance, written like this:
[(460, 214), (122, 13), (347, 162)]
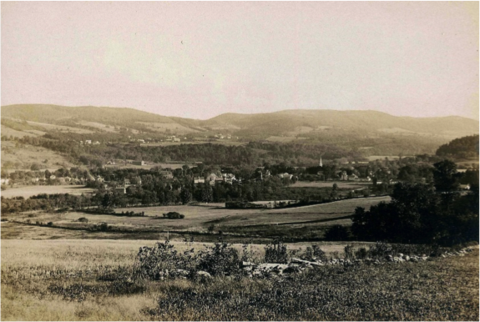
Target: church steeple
[(320, 163)]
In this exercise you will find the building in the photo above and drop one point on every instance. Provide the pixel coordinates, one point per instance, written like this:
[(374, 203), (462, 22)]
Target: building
[(138, 162), (198, 180), (121, 189)]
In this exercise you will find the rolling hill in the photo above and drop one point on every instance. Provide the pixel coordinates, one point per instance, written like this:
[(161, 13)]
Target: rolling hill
[(353, 129)]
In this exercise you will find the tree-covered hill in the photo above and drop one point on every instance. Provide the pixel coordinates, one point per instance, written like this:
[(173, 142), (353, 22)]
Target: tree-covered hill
[(461, 148)]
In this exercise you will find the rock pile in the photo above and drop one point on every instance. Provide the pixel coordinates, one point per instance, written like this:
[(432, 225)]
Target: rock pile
[(297, 265)]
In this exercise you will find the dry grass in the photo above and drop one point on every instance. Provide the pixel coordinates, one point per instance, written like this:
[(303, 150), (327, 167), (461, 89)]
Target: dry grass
[(28, 154), (443, 289), (246, 222), (61, 128), (329, 184), (28, 191)]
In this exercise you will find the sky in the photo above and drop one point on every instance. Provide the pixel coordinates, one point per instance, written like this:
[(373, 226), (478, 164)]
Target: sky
[(202, 59)]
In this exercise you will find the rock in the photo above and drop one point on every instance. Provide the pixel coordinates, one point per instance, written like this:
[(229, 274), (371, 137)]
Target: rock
[(390, 258), (406, 257), (181, 272), (304, 262), (291, 270), (204, 274), (247, 264), (268, 268)]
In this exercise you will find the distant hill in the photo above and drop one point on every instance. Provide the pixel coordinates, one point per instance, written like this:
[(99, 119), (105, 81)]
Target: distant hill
[(370, 131), (320, 120)]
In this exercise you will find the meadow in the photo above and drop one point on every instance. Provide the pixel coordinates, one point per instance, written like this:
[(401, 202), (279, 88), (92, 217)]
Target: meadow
[(89, 280), (28, 191), (207, 219), (329, 184)]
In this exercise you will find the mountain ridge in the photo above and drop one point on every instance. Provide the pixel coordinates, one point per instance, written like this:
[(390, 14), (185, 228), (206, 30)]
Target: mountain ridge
[(290, 122)]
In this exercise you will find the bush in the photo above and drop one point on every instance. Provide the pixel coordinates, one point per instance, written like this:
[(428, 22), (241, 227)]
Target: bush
[(314, 253), (161, 261), (82, 219), (50, 224), (219, 259), (349, 254), (337, 233), (173, 215), (276, 252)]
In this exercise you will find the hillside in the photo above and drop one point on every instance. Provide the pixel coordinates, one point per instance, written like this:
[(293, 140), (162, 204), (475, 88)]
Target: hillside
[(22, 157), (461, 149), (282, 122), (372, 132)]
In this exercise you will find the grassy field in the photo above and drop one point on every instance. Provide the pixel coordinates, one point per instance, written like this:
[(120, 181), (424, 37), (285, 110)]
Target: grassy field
[(26, 155), (163, 165), (222, 142), (329, 184), (70, 280), (28, 191), (307, 221)]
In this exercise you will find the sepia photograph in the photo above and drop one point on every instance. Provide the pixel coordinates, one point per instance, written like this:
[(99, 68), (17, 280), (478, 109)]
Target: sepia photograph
[(239, 161)]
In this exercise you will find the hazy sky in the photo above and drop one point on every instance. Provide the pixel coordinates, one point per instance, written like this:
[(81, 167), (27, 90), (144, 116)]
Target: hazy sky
[(198, 60)]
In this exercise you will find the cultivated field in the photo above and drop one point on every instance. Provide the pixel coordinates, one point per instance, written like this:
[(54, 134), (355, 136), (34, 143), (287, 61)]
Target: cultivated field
[(243, 224), (163, 165), (28, 191), (329, 184), (222, 142)]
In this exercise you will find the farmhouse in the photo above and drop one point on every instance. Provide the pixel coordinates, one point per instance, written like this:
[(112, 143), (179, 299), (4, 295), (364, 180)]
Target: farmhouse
[(198, 180), (139, 162)]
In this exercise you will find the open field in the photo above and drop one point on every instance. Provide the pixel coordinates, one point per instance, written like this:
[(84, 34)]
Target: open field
[(28, 191), (25, 155), (308, 221), (222, 142), (163, 165), (55, 127), (69, 280), (329, 184)]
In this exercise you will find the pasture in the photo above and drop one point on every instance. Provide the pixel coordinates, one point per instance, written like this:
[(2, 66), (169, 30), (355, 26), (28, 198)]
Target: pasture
[(222, 142), (87, 280), (242, 223), (28, 191), (23, 156), (329, 184)]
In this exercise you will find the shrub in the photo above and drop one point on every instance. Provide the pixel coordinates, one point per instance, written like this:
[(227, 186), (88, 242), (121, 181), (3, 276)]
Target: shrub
[(276, 252), (161, 261), (337, 233), (219, 259), (349, 252), (173, 215), (361, 253), (314, 253), (50, 224), (82, 219)]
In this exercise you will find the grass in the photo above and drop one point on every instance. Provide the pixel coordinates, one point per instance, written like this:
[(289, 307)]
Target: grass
[(25, 155), (329, 184), (442, 289), (307, 222), (28, 191)]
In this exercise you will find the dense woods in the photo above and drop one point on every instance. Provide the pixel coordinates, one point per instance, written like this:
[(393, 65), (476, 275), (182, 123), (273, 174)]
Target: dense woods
[(461, 148), (422, 213)]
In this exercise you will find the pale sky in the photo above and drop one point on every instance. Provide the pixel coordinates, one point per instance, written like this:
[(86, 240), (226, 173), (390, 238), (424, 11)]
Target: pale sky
[(202, 59)]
